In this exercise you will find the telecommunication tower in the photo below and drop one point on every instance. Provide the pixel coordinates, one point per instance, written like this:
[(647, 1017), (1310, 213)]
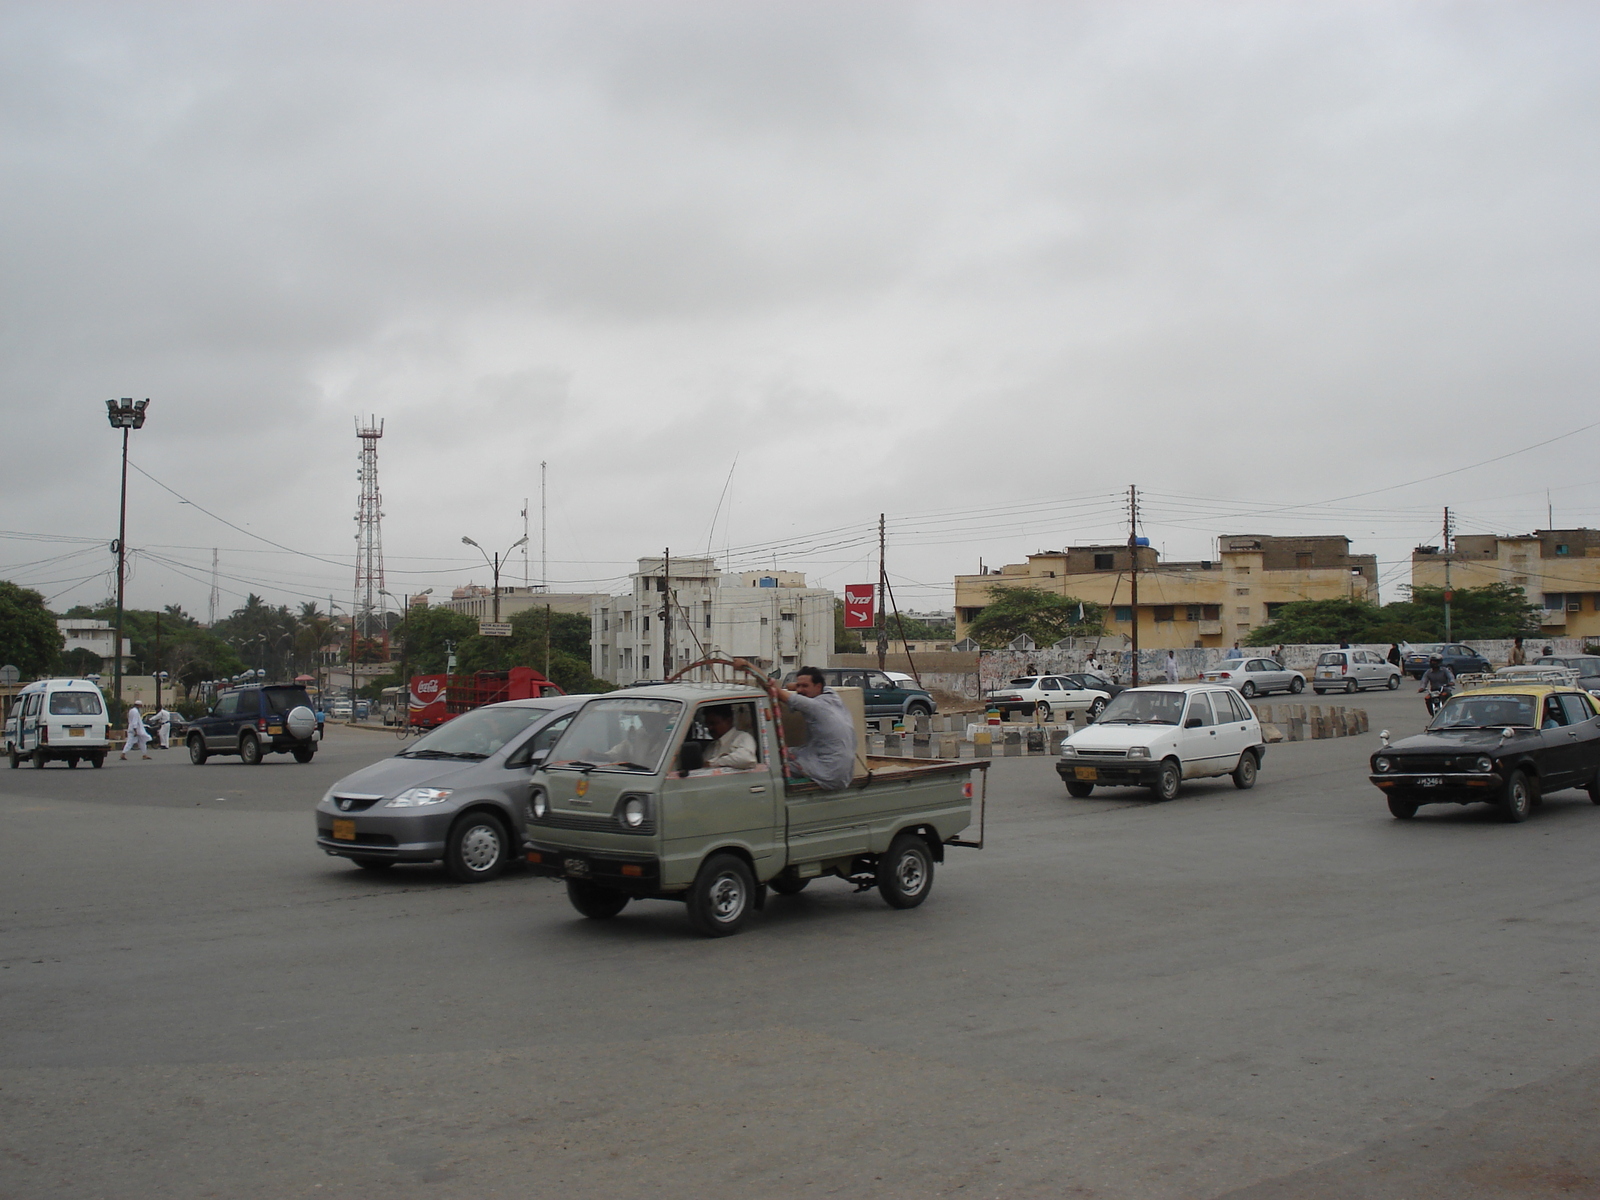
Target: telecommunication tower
[(369, 534)]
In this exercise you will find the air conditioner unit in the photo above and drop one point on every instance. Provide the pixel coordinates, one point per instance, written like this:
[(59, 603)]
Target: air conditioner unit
[(1574, 606)]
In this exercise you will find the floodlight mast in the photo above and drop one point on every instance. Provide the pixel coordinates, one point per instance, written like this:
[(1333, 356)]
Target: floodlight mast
[(124, 414)]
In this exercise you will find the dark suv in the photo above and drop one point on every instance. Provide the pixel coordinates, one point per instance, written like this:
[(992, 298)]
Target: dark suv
[(880, 695), (254, 721)]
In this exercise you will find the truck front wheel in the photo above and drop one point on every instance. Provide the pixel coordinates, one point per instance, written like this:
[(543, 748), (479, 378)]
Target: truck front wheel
[(905, 874), (719, 900), (596, 902)]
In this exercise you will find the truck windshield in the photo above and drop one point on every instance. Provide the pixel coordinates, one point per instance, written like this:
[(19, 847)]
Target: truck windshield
[(476, 734), (1485, 712), (1143, 708), (625, 733)]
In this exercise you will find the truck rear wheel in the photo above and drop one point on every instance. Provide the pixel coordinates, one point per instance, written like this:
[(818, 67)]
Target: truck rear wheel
[(905, 874), (719, 900), (595, 902)]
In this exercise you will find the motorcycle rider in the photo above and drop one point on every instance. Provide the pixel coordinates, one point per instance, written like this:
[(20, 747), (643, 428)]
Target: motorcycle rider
[(1438, 682)]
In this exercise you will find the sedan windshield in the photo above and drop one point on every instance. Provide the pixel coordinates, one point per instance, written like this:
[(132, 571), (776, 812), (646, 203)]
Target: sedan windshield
[(476, 734), (1144, 708), (1485, 712), (621, 734)]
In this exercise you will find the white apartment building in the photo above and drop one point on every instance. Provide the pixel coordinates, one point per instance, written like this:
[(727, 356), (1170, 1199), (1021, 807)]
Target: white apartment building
[(478, 602), (98, 637), (768, 617)]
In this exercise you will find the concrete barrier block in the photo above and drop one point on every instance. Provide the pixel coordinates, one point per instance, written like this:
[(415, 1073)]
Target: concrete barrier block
[(949, 746), (923, 723), (1361, 715), (1271, 732), (982, 750), (1297, 729), (1036, 741), (892, 745), (921, 748)]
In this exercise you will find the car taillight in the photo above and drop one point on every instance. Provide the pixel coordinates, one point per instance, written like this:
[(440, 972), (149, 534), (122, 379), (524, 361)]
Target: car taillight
[(1344, 668), (44, 733)]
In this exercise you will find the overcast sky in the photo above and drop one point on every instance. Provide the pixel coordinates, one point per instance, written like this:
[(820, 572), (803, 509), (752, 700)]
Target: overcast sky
[(976, 266)]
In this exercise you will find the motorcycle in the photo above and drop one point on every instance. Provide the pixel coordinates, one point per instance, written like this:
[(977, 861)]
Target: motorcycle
[(1435, 698)]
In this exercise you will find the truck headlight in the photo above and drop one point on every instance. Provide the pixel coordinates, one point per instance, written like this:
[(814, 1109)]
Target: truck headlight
[(633, 811), (541, 804), (420, 797), (1483, 763), (1138, 751), (1382, 763)]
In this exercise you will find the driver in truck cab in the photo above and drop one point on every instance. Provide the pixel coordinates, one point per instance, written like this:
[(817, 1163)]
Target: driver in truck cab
[(828, 758), (733, 748)]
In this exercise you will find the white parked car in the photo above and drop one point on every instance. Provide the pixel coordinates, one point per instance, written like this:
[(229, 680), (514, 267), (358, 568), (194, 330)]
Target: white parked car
[(1156, 737), (1049, 696), (1353, 671), (1256, 676)]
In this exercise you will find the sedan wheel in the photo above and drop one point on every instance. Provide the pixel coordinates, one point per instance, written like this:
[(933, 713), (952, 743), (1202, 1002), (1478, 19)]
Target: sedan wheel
[(1350, 686), (1044, 710), (475, 851), (1403, 810), (1394, 683), (1297, 685), (1247, 690), (1517, 799), (1095, 709), (1169, 781)]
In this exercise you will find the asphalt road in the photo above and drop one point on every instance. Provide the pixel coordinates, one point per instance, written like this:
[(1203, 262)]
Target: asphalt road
[(1274, 993)]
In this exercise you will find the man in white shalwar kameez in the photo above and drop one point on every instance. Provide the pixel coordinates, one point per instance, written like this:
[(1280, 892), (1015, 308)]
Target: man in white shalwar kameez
[(138, 735)]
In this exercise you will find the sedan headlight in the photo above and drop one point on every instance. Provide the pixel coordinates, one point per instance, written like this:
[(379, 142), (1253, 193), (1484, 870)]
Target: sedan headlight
[(1068, 749), (541, 804), (1138, 751), (420, 797), (1483, 763), (634, 811), (1382, 763)]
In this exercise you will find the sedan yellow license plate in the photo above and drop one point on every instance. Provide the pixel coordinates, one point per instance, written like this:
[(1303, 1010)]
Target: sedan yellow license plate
[(344, 831), (1086, 773)]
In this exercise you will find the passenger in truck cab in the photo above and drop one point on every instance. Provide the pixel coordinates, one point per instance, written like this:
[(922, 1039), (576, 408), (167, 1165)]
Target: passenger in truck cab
[(828, 758)]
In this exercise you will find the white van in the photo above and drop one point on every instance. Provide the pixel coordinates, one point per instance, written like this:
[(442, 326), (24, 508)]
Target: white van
[(58, 718)]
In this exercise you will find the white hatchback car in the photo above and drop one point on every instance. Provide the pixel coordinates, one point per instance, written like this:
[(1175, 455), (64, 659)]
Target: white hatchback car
[(1353, 671), (1156, 737)]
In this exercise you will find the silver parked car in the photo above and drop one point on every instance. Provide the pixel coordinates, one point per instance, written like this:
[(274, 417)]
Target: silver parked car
[(1256, 676), (459, 794), (1353, 671)]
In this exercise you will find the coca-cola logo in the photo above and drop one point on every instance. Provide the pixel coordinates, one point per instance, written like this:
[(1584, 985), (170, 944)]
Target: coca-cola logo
[(428, 687)]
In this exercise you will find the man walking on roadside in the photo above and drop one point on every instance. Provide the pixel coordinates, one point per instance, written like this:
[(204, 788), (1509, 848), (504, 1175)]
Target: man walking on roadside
[(138, 735), (1172, 667)]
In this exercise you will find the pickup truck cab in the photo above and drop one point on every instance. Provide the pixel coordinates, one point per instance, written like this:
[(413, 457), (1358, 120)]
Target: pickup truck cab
[(624, 808)]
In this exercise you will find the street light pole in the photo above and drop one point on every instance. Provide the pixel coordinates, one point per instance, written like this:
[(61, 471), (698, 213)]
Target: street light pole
[(405, 681), (494, 565), (124, 414)]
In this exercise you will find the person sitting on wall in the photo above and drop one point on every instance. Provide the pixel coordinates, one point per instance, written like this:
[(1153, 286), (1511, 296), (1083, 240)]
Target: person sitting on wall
[(732, 747)]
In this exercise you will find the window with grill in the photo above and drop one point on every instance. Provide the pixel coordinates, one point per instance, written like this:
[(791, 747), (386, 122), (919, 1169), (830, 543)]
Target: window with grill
[(1241, 591), (1193, 613), (1122, 613), (1164, 612), (1243, 610), (1103, 562)]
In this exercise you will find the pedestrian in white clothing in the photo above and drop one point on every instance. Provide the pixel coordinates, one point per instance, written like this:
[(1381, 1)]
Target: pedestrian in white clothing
[(163, 721), (1172, 667), (138, 735)]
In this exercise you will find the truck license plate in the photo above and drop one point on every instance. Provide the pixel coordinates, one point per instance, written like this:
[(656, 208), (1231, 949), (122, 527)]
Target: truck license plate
[(344, 831), (575, 866), (1430, 781), (1086, 773)]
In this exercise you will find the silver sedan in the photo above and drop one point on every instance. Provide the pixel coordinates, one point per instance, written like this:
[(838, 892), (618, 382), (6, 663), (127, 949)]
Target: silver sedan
[(1256, 676)]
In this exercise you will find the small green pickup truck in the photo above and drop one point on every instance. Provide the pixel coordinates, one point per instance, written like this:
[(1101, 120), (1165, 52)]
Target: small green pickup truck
[(636, 802)]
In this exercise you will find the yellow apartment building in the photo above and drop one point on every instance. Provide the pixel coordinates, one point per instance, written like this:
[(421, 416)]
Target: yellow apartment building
[(1186, 604), (1558, 569)]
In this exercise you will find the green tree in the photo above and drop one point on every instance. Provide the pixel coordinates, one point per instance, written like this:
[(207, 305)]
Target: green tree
[(426, 631), (1500, 610), (1322, 622), (568, 659), (29, 637), (1043, 616), (81, 662)]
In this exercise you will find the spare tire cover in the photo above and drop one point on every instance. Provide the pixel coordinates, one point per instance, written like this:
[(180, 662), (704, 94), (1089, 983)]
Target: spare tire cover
[(301, 722)]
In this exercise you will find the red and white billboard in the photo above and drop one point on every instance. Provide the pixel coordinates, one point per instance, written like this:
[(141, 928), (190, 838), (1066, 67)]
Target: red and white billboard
[(859, 609)]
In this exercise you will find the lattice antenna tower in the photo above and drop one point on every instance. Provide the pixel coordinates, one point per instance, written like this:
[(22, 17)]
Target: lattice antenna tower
[(369, 532)]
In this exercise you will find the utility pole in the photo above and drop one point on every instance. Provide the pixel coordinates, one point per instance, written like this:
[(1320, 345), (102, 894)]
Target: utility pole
[(883, 576), (157, 669), (1447, 595), (666, 613), (544, 535), (125, 414), (1133, 564)]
